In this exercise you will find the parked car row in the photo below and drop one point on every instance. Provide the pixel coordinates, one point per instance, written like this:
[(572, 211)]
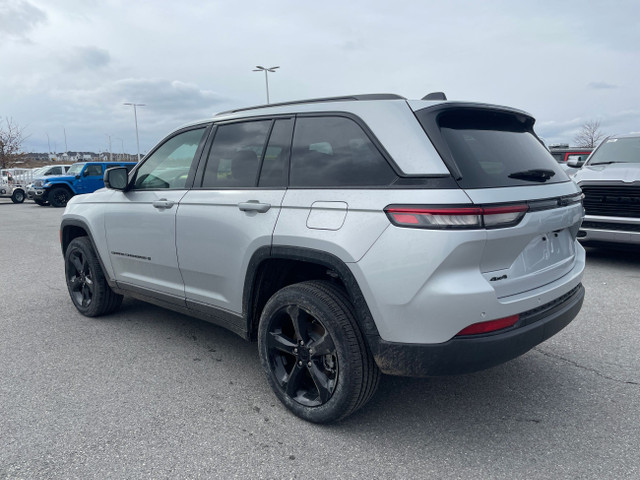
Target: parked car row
[(55, 184)]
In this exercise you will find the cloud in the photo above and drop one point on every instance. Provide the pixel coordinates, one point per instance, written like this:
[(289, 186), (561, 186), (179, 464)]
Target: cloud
[(165, 95), (565, 131), (86, 58), (94, 113), (159, 95), (602, 86), (18, 17)]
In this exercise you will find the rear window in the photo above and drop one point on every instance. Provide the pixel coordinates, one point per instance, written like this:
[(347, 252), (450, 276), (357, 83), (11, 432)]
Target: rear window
[(490, 148)]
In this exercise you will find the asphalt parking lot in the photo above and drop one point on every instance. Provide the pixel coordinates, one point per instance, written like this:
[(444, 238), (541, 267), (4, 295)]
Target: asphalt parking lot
[(147, 393)]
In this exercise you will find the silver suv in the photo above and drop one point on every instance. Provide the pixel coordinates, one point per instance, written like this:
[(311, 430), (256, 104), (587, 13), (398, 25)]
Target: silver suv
[(349, 236)]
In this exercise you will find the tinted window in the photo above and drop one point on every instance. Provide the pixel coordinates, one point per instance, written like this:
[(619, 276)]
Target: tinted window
[(494, 149), (335, 151), (235, 154), (93, 170), (169, 165), (274, 164)]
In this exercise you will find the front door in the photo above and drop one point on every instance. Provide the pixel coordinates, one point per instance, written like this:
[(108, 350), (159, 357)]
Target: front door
[(141, 223), (90, 178)]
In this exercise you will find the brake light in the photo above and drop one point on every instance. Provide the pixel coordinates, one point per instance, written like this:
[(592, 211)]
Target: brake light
[(456, 217), (490, 326)]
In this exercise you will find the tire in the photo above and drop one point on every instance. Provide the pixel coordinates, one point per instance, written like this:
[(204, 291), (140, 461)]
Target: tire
[(59, 196), (333, 381), (17, 196), (87, 285), (42, 203)]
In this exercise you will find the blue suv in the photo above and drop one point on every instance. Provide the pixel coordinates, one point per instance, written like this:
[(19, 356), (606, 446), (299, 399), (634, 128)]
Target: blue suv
[(83, 177)]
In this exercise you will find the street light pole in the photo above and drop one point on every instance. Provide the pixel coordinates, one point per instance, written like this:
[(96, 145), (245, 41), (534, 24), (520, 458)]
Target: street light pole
[(135, 117), (260, 68), (110, 154)]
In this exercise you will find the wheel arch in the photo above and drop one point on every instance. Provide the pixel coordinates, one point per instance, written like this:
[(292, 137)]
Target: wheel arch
[(72, 228), (65, 185), (286, 265)]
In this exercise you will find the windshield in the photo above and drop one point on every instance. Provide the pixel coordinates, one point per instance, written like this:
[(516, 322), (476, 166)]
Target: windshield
[(39, 171), (75, 169), (617, 150)]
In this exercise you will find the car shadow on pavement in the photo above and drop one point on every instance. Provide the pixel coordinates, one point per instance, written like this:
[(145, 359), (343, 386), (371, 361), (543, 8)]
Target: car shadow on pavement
[(531, 391)]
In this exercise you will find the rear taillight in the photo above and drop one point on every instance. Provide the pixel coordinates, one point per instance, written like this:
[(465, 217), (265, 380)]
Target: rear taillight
[(456, 217), (490, 326)]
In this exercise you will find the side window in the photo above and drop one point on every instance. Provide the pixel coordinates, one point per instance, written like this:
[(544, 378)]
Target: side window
[(274, 165), (235, 154), (169, 165), (56, 171), (93, 170), (335, 152)]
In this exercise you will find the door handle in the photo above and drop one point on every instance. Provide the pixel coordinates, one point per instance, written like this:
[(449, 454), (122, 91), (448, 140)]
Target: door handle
[(163, 203), (254, 206)]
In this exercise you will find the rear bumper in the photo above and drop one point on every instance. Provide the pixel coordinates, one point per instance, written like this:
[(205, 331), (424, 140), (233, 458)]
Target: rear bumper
[(478, 352)]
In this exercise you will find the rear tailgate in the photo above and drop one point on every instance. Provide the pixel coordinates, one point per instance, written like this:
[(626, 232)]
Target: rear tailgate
[(541, 248), (496, 158)]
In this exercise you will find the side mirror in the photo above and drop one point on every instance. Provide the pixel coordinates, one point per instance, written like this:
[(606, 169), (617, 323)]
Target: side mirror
[(576, 161), (116, 178)]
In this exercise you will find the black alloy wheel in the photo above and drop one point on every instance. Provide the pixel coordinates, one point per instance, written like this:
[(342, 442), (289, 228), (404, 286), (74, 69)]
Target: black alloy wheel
[(86, 282), (59, 197), (80, 279), (303, 356), (313, 352)]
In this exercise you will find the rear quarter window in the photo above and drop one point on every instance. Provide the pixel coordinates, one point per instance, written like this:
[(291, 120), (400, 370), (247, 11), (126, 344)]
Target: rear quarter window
[(334, 151)]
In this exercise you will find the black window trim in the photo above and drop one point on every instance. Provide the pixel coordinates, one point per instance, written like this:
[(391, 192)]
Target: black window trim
[(402, 180)]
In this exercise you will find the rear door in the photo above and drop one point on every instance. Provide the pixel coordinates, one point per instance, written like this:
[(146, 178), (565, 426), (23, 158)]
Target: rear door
[(232, 210), (140, 224)]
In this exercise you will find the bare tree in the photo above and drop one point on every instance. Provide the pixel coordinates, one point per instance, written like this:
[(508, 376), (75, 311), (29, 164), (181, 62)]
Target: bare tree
[(11, 138), (589, 134)]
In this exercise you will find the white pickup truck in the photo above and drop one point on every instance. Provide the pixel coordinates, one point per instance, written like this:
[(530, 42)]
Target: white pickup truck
[(13, 183)]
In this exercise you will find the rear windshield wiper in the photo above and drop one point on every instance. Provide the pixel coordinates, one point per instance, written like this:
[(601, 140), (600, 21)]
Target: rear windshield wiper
[(535, 175)]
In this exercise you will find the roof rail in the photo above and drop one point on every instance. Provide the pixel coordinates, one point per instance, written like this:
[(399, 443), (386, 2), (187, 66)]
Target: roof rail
[(346, 98)]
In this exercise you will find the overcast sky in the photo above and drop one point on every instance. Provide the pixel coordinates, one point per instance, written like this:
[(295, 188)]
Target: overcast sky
[(68, 65)]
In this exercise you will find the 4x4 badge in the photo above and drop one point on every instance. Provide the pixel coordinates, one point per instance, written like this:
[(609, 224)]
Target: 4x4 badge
[(495, 279)]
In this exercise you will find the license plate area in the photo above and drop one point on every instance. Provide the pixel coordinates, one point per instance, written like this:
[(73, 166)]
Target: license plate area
[(544, 259)]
